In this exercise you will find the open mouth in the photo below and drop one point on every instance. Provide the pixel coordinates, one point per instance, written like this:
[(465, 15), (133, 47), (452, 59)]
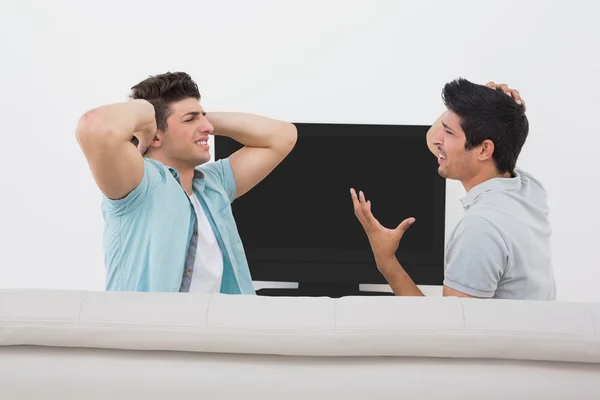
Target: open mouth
[(202, 142)]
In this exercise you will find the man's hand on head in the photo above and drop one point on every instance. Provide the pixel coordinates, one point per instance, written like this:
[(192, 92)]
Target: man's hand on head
[(145, 134), (510, 92)]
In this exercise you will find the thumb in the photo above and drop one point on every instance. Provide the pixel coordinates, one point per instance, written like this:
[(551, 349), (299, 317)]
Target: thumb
[(404, 225)]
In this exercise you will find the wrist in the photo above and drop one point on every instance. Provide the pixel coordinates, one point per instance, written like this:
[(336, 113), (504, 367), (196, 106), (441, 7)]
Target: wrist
[(219, 121), (386, 262)]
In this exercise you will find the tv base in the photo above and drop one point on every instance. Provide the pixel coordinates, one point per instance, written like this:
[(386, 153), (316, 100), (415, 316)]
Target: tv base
[(332, 290)]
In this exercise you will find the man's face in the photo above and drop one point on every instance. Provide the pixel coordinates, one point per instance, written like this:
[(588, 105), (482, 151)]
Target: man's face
[(186, 139), (454, 161)]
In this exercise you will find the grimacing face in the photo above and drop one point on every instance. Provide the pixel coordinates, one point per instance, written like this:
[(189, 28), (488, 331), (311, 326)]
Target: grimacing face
[(186, 140), (455, 162)]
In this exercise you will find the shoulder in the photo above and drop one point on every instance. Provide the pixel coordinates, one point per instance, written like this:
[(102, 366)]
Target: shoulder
[(154, 166), (215, 168), (155, 175), (532, 192), (471, 223), (219, 175), (475, 231)]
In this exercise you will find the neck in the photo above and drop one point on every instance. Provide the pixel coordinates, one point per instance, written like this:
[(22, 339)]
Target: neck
[(481, 177), (186, 177)]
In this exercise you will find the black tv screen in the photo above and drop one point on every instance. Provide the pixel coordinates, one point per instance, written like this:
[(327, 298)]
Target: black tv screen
[(298, 224)]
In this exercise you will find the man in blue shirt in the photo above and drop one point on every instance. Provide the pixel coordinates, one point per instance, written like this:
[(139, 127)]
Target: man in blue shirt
[(167, 209)]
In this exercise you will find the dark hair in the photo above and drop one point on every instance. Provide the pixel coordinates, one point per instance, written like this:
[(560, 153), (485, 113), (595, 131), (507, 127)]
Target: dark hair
[(487, 113), (163, 90)]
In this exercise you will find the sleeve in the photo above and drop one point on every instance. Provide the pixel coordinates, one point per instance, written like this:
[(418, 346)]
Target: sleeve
[(222, 172), (128, 204), (476, 258)]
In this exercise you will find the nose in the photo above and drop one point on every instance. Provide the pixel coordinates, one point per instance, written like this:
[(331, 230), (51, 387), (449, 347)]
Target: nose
[(206, 127)]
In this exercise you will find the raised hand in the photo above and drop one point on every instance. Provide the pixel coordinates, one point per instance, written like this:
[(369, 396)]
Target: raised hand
[(384, 241), (144, 137), (511, 92), (145, 133)]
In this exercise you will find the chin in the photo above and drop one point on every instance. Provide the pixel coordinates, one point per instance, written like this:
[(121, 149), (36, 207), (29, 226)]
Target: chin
[(202, 160)]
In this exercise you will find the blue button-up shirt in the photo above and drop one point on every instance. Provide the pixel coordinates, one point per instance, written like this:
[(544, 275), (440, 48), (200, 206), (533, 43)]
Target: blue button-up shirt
[(150, 235)]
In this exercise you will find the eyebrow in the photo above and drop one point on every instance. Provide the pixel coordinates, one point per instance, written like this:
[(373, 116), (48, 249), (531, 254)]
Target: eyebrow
[(447, 127), (193, 113)]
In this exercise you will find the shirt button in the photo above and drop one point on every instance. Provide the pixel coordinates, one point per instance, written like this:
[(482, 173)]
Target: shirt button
[(195, 233), (187, 271)]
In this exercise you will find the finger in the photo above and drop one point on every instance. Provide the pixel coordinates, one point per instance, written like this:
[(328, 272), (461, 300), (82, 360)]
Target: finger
[(365, 206), (404, 225), (362, 197), (491, 84), (511, 92), (361, 206), (504, 88), (366, 210), (355, 203), (369, 218), (354, 199), (517, 96)]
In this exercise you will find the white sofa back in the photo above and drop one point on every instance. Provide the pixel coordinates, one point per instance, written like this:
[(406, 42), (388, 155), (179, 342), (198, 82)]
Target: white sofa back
[(350, 326), (440, 330)]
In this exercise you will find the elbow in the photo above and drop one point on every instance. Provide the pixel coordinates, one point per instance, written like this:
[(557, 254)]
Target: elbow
[(289, 137), (87, 126), (88, 121)]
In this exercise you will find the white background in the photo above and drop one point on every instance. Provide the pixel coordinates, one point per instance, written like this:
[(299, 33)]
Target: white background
[(305, 61)]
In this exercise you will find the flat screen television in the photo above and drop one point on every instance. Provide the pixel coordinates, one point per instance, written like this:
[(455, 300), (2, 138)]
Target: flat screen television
[(298, 224)]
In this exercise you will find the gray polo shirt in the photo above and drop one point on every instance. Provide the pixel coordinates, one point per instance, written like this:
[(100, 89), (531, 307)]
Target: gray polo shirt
[(501, 246)]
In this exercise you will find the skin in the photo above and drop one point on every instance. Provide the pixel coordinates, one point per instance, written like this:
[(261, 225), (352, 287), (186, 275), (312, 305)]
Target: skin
[(470, 167), (104, 135)]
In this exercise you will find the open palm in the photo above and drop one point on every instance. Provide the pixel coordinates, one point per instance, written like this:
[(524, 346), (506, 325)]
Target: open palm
[(384, 241)]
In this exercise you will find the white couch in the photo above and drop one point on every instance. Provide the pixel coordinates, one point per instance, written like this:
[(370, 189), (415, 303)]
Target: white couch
[(108, 345)]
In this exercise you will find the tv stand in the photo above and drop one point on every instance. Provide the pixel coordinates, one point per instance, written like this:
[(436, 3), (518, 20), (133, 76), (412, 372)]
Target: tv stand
[(334, 290)]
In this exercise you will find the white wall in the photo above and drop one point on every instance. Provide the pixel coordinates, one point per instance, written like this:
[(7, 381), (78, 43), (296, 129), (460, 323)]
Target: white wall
[(333, 61)]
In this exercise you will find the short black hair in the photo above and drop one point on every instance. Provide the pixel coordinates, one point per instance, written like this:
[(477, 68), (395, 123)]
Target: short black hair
[(489, 114), (163, 90)]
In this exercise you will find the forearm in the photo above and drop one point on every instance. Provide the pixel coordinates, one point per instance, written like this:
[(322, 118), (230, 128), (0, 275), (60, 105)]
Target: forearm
[(397, 278), (104, 135), (253, 130), (118, 122)]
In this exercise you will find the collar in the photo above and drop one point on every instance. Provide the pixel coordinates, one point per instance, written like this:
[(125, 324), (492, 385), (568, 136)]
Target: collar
[(494, 184), (197, 180)]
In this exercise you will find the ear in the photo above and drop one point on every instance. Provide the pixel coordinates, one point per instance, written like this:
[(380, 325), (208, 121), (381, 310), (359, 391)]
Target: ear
[(157, 141), (486, 150)]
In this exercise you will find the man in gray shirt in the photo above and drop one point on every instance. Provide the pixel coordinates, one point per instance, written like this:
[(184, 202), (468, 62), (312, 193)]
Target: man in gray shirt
[(501, 246)]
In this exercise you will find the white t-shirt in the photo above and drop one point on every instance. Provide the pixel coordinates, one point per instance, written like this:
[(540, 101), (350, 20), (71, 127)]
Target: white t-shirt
[(208, 264)]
